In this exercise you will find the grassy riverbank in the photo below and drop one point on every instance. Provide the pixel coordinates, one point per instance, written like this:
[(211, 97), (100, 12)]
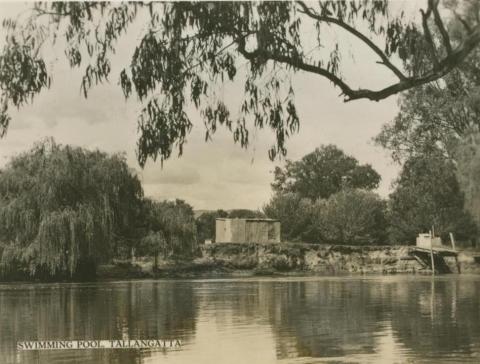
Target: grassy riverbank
[(226, 260)]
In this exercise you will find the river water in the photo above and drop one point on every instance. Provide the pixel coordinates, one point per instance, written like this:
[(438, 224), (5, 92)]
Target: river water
[(389, 319)]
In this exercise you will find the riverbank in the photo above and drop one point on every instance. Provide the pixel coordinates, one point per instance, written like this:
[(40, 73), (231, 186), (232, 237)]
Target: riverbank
[(233, 260)]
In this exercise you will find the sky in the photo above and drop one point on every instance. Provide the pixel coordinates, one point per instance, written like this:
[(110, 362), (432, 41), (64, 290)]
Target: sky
[(216, 174)]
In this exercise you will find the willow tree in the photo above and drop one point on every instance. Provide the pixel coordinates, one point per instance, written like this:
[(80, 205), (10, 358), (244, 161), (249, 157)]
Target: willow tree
[(188, 50), (62, 207)]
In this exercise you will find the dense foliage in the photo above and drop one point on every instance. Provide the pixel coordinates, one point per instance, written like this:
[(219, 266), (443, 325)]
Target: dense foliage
[(467, 158), (295, 215), (438, 121), (188, 49), (170, 229), (436, 116), (206, 224), (350, 216), (62, 207), (428, 196), (322, 173), (325, 197), (244, 214), (353, 217)]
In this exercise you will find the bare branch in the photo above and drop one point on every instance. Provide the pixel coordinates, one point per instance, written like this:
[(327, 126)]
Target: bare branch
[(464, 22), (445, 66), (294, 62), (433, 4), (428, 34), (327, 19)]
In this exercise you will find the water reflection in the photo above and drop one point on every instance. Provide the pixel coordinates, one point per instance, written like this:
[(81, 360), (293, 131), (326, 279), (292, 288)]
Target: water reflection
[(97, 311), (384, 319)]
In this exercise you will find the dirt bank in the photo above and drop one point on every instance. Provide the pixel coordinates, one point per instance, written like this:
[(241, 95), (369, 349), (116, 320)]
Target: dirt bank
[(285, 259)]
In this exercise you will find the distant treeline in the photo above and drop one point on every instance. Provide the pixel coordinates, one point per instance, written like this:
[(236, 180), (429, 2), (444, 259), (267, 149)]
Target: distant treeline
[(64, 210), (327, 197)]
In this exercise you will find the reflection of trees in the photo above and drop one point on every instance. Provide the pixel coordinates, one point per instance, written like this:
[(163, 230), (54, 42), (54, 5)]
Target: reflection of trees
[(132, 310), (318, 319), (329, 319), (338, 318), (324, 318), (440, 316)]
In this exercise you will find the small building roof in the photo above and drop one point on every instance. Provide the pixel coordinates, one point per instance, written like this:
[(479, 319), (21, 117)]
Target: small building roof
[(259, 219)]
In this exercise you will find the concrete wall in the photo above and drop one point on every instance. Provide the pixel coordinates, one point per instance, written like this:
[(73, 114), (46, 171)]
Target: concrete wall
[(237, 231), (230, 231), (222, 231), (244, 230), (263, 231)]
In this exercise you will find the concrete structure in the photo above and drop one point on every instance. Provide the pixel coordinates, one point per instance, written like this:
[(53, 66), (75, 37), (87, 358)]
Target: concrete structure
[(426, 241), (247, 231)]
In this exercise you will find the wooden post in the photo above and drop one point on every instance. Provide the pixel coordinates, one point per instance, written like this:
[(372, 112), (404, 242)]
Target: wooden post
[(133, 255), (431, 254), (452, 239), (432, 300)]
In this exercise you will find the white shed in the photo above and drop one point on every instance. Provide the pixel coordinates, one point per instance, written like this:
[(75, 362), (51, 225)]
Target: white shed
[(426, 241), (247, 231)]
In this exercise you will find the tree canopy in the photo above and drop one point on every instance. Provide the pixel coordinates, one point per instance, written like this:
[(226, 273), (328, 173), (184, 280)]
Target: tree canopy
[(325, 197), (170, 228), (351, 216), (467, 158), (443, 119), (244, 214), (436, 116), (189, 49), (295, 215), (206, 224), (61, 207), (427, 194), (322, 173)]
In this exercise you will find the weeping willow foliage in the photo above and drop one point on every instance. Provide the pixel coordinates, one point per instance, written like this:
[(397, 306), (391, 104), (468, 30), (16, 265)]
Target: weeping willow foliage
[(62, 205)]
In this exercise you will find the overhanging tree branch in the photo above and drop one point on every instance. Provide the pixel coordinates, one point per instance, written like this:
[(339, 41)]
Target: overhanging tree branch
[(428, 35), (294, 62), (433, 4), (327, 19), (440, 68), (467, 27), (189, 49)]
